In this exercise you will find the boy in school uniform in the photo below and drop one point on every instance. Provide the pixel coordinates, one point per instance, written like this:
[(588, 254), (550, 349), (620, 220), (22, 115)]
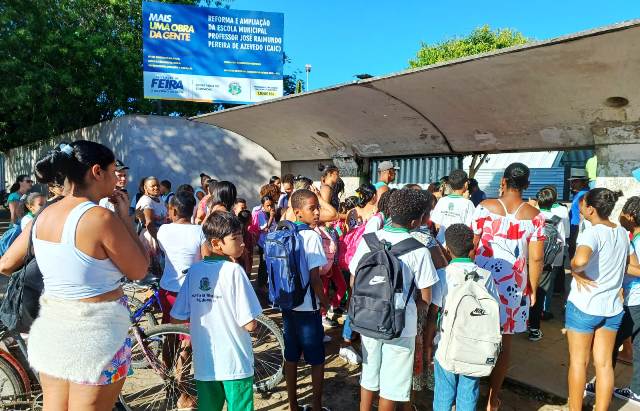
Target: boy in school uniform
[(454, 208), (303, 330), (387, 365), (218, 301), (453, 388)]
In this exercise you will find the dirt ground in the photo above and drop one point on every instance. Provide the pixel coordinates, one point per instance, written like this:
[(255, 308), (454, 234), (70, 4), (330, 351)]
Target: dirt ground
[(342, 390)]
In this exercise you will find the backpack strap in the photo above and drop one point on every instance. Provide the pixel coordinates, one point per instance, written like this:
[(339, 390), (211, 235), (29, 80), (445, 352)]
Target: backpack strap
[(473, 275), (373, 242), (402, 248), (555, 220), (406, 246)]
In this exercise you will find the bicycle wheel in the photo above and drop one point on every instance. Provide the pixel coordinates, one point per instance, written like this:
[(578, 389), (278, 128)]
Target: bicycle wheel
[(147, 320), (268, 354), (12, 389), (164, 375)]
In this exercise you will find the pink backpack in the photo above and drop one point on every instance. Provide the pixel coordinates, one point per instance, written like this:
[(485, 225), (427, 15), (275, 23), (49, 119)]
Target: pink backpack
[(330, 249), (254, 227), (349, 244)]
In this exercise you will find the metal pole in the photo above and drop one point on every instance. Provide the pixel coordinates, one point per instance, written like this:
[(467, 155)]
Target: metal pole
[(307, 68)]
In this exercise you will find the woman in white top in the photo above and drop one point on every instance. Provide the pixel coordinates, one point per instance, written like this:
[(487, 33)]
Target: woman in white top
[(33, 204), (152, 211), (594, 307), (79, 342), (183, 244)]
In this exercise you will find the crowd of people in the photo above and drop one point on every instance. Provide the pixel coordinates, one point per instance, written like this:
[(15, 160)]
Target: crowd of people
[(201, 243)]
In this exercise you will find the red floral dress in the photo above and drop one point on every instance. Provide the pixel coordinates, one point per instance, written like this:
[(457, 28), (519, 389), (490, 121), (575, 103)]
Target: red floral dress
[(503, 249)]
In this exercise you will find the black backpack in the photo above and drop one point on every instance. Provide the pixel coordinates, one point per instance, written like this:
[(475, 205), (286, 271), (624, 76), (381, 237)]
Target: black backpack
[(552, 241), (21, 303), (378, 278)]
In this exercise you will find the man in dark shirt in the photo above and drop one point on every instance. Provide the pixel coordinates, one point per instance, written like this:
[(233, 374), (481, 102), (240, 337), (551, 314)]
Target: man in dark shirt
[(477, 195)]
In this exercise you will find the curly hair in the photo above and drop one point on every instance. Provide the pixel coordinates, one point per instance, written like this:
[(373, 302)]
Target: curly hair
[(459, 239), (383, 201), (632, 209), (270, 190), (407, 205)]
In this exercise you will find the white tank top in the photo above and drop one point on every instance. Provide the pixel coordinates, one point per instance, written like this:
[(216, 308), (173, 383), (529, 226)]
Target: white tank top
[(67, 272)]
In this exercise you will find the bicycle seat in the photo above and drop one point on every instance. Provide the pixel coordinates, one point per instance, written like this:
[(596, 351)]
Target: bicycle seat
[(149, 281)]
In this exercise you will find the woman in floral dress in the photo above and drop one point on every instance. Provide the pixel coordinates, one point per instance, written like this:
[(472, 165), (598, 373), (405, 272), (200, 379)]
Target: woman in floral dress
[(509, 238)]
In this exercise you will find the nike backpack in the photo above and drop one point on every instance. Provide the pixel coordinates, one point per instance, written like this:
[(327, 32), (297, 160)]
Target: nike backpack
[(470, 338), (377, 303), (287, 268), (552, 241)]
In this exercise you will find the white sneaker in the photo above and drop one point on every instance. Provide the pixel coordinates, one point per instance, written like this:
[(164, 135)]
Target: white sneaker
[(326, 339), (350, 355)]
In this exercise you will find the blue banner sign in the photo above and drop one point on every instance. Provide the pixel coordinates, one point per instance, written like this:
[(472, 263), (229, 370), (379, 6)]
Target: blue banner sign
[(211, 54)]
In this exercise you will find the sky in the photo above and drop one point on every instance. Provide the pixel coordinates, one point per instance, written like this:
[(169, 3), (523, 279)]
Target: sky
[(343, 38)]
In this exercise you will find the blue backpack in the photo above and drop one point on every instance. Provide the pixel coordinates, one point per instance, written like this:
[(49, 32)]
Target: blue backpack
[(9, 237), (287, 268)]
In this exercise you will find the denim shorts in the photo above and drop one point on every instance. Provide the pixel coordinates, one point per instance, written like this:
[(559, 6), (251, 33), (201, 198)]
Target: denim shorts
[(581, 322), (303, 334)]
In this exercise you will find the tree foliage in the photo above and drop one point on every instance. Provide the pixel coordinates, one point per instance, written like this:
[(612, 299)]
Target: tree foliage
[(67, 64), (481, 40)]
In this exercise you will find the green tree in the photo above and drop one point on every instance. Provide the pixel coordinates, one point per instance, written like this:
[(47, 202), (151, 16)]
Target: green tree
[(481, 40)]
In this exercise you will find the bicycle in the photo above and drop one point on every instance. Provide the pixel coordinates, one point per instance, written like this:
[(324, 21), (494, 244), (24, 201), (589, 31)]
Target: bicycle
[(156, 384), (159, 378)]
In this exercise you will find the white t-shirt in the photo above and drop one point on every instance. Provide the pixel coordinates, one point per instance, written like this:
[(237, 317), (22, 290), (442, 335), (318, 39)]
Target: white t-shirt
[(181, 245), (105, 203), (315, 258), (631, 284), (159, 208), (610, 249), (416, 267), (375, 223), (562, 212), (450, 278), (25, 220), (218, 300), (453, 209), (562, 234)]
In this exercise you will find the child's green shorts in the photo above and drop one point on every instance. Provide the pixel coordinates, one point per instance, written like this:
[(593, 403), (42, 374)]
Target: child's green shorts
[(237, 393)]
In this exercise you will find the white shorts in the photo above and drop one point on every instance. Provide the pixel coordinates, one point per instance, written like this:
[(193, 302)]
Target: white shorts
[(387, 366)]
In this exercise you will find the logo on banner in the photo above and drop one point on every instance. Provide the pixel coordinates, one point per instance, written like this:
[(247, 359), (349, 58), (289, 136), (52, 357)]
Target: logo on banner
[(166, 84), (234, 88)]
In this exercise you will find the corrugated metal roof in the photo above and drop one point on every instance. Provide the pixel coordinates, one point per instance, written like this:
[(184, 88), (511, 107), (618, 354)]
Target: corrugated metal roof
[(576, 158), (489, 181), (419, 170)]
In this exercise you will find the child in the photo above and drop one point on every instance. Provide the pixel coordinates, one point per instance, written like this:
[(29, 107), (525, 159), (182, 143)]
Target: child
[(453, 208), (546, 199), (264, 220), (630, 220), (33, 204), (452, 387), (247, 256), (387, 365), (303, 331), (218, 301), (165, 191)]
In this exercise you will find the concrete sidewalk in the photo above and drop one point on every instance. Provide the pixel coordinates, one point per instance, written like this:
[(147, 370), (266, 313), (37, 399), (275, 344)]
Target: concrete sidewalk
[(544, 364)]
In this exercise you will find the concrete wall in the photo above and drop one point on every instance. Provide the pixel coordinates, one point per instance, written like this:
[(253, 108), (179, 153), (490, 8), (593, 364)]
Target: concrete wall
[(170, 148)]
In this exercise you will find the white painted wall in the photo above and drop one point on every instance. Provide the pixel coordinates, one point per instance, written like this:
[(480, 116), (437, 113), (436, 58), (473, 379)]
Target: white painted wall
[(169, 148)]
